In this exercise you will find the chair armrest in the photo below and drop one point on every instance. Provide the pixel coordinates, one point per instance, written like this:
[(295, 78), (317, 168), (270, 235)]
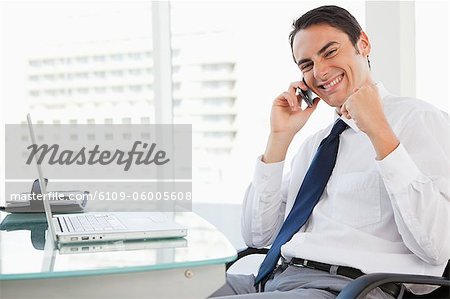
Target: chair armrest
[(364, 284), (243, 252)]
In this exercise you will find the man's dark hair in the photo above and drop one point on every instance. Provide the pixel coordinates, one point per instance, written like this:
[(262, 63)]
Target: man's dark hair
[(333, 16)]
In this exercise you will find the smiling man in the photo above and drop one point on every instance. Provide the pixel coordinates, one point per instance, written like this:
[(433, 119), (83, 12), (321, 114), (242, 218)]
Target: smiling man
[(367, 194)]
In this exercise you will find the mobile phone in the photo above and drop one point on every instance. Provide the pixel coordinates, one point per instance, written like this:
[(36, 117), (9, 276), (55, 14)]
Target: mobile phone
[(305, 95)]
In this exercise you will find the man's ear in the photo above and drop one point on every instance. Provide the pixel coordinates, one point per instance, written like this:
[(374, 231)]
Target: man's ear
[(364, 44)]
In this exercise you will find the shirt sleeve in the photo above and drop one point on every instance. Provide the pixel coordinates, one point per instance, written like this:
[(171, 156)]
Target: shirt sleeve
[(264, 204), (417, 176)]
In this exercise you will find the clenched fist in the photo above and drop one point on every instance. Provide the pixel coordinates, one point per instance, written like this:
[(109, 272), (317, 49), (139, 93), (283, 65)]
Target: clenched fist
[(364, 106)]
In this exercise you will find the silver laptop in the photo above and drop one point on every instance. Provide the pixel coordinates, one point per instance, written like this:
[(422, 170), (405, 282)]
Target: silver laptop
[(99, 227), (123, 246)]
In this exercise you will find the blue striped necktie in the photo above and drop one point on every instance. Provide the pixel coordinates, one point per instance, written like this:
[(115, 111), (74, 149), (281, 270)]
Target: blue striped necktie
[(308, 196)]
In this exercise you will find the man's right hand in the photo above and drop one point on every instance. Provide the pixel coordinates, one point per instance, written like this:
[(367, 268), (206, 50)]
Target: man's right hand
[(287, 116), (286, 119)]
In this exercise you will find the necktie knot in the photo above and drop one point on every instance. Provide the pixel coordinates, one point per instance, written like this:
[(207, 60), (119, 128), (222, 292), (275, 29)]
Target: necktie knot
[(338, 128)]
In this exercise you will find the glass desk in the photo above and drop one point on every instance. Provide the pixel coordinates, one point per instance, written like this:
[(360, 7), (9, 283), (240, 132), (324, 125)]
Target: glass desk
[(190, 267)]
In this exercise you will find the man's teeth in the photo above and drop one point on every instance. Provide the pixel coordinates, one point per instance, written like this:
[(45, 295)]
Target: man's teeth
[(334, 82)]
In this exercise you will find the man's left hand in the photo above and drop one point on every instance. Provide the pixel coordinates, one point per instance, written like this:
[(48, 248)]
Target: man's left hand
[(366, 109)]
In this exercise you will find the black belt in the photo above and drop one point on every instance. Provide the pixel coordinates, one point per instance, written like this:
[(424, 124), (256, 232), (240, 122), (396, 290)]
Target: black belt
[(390, 288)]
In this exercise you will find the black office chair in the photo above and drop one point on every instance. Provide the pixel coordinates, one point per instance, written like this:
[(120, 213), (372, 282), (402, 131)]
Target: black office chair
[(359, 287)]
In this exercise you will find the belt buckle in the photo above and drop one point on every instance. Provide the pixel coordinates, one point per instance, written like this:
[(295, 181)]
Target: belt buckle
[(305, 263)]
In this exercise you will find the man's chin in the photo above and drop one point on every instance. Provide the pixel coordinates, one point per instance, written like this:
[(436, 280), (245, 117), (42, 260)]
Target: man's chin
[(336, 103), (337, 99)]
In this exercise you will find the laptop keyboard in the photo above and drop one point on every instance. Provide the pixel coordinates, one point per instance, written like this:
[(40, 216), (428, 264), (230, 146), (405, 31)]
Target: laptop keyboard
[(89, 223)]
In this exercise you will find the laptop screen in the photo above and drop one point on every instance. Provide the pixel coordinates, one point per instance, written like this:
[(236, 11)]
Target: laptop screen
[(47, 208)]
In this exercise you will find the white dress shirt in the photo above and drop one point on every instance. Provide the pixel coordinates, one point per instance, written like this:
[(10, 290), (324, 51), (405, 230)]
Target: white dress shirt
[(390, 216)]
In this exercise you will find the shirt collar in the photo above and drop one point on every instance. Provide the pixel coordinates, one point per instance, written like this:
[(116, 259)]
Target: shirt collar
[(350, 122)]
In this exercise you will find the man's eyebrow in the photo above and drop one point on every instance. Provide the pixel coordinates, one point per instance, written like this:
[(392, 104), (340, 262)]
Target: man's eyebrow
[(323, 49)]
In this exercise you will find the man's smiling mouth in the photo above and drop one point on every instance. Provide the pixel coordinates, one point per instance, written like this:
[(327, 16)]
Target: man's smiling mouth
[(329, 86)]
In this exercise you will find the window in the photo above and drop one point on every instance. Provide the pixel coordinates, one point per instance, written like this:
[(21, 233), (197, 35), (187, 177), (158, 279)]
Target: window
[(432, 62), (84, 59), (75, 71)]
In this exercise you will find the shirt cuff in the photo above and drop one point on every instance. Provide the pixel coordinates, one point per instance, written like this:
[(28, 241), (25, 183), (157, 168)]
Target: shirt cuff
[(398, 170), (267, 176)]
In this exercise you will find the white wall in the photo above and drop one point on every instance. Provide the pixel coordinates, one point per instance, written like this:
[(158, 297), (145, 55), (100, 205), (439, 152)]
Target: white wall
[(432, 63), (391, 30), (410, 48)]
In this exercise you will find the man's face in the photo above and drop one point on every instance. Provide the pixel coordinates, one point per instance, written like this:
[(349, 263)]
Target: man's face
[(330, 64)]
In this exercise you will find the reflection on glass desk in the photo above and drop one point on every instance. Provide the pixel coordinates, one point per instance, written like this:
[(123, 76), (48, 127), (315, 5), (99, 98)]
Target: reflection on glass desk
[(193, 265)]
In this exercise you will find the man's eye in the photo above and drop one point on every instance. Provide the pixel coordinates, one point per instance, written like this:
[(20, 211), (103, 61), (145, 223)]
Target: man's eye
[(306, 67), (330, 53)]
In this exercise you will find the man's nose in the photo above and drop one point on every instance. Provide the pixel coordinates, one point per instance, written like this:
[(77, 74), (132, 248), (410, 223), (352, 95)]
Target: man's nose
[(321, 71)]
